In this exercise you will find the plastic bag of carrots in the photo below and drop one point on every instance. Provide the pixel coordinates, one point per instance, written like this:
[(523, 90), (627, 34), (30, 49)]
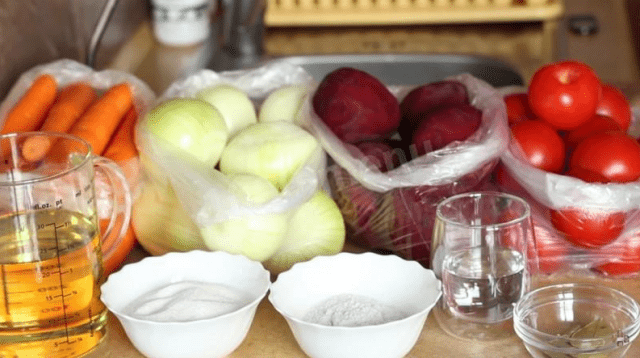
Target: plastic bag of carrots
[(103, 108)]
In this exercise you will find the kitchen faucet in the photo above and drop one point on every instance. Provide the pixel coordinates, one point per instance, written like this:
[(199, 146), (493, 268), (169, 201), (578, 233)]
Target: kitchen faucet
[(98, 32), (241, 34)]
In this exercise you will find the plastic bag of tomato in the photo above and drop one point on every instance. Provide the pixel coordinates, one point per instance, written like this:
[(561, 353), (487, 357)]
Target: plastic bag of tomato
[(397, 151), (101, 107), (575, 155)]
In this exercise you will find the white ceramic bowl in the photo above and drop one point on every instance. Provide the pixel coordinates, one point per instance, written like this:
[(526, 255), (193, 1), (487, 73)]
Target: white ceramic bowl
[(211, 337), (385, 279)]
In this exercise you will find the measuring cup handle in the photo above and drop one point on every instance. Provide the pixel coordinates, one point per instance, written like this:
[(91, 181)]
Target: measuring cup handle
[(122, 202)]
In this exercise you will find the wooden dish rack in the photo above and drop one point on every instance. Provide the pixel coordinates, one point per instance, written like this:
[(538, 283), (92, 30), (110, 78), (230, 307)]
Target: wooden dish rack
[(522, 32), (405, 12)]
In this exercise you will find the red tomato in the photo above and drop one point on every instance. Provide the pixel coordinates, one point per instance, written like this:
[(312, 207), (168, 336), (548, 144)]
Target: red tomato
[(546, 250), (516, 229), (587, 175), (590, 228), (541, 144), (549, 249), (565, 94), (628, 262), (597, 124), (614, 104), (518, 108), (614, 155)]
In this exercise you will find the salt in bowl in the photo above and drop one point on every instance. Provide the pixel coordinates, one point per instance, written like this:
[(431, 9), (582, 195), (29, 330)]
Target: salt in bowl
[(356, 305), (191, 337)]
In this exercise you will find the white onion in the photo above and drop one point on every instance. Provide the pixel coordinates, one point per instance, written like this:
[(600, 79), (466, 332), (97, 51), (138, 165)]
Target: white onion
[(282, 104), (254, 236), (189, 127), (233, 104), (161, 224), (315, 228), (272, 150)]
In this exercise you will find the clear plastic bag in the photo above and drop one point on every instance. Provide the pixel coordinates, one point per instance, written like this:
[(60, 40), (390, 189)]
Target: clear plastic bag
[(602, 212), (395, 210), (209, 197), (65, 72)]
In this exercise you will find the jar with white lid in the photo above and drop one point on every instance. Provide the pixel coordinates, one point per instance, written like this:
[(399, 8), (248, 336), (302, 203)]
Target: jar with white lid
[(181, 22)]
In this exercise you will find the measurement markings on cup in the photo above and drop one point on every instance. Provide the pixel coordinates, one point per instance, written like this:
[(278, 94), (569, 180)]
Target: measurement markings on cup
[(51, 265), (62, 287)]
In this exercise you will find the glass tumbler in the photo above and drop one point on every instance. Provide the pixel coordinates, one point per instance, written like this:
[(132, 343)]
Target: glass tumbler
[(479, 251)]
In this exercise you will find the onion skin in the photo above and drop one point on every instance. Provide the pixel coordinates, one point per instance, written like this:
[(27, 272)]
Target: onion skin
[(272, 150), (254, 236), (190, 128), (161, 224), (282, 104), (315, 228), (234, 105)]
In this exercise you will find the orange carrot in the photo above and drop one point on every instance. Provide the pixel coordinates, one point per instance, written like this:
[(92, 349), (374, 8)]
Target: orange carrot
[(115, 255), (70, 104), (101, 119), (30, 111), (122, 145)]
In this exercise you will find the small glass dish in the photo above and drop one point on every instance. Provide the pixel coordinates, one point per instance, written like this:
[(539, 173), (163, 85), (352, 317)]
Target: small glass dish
[(577, 320), (398, 293)]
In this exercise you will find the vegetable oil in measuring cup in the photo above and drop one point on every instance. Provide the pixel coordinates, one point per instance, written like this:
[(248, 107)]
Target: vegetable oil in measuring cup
[(50, 272)]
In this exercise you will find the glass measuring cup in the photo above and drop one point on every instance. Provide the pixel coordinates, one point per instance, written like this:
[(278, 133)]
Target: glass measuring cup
[(479, 251), (50, 249)]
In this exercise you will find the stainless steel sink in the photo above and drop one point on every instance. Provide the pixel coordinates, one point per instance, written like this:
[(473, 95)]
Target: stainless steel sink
[(404, 69)]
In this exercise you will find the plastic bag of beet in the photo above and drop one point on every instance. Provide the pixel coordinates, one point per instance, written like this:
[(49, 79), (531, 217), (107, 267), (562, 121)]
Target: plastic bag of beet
[(388, 201)]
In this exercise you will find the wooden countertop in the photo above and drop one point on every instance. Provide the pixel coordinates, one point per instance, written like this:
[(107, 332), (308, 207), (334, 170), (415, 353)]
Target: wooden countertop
[(270, 336)]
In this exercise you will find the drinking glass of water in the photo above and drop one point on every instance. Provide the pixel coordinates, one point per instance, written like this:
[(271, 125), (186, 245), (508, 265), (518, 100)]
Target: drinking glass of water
[(479, 251)]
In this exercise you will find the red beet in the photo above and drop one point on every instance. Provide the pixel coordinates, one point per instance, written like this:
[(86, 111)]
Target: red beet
[(505, 181), (357, 203), (400, 220), (445, 125), (427, 98), (368, 215), (356, 106), (413, 225), (381, 155)]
